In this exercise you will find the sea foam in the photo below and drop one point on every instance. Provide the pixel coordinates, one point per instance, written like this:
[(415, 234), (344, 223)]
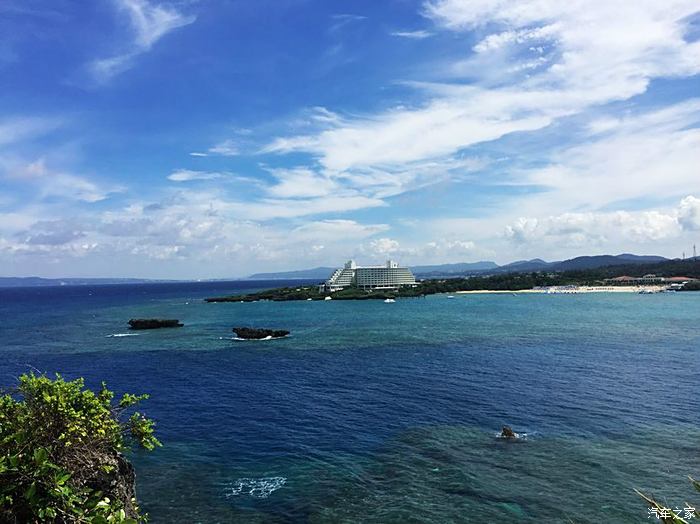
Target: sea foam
[(260, 488)]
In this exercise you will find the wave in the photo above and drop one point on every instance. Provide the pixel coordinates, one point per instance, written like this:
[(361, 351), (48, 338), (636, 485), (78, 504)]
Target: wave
[(260, 488), (114, 335)]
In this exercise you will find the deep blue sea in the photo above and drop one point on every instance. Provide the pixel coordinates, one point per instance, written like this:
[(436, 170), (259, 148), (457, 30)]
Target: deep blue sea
[(387, 413)]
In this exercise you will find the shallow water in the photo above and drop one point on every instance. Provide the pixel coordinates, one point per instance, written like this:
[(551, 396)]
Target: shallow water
[(381, 412)]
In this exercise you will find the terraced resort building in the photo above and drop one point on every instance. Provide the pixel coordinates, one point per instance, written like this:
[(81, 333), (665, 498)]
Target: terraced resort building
[(388, 276)]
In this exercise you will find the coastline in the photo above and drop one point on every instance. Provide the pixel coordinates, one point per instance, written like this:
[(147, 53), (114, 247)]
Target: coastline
[(562, 290)]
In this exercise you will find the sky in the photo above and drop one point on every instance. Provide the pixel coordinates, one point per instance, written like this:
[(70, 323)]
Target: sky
[(219, 138)]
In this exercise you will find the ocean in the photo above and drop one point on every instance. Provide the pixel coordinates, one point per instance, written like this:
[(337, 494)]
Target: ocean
[(387, 413)]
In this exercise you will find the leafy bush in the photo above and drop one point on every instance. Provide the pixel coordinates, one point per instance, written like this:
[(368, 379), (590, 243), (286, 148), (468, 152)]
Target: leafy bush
[(668, 515), (60, 452)]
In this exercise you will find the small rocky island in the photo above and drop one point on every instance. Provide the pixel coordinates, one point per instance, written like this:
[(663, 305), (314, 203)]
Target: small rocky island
[(153, 323), (247, 333), (508, 433)]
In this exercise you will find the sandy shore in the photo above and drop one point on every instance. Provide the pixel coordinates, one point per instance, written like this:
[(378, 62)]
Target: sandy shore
[(570, 290)]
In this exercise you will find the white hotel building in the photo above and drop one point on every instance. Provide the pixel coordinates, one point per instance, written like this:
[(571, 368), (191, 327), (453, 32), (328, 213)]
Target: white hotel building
[(388, 276)]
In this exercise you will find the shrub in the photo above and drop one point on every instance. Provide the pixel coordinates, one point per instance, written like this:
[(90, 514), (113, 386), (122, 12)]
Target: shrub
[(60, 452), (675, 515)]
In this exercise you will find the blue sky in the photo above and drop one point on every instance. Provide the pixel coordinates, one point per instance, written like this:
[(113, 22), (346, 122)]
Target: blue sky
[(217, 138)]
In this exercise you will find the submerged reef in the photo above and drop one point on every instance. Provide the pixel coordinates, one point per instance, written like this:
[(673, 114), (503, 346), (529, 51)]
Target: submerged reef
[(153, 323)]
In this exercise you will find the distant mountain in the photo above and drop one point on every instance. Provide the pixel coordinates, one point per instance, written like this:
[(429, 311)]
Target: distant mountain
[(483, 267), (447, 269), (594, 262), (536, 264), (320, 273), (578, 263), (44, 282)]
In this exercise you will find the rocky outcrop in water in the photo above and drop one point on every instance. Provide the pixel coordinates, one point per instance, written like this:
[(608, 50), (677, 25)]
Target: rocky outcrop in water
[(153, 323), (258, 334), (507, 432)]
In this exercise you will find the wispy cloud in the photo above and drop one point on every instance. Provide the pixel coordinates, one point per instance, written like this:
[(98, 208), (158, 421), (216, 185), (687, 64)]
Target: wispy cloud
[(149, 23), (57, 184), (186, 175), (17, 129), (555, 69), (227, 147), (419, 34), (339, 21), (300, 183), (605, 228)]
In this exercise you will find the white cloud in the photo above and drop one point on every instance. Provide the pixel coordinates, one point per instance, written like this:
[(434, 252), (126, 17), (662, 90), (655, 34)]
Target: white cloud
[(50, 183), (586, 230), (149, 23), (300, 183), (689, 213), (561, 59), (440, 250), (384, 246), (52, 233), (225, 148), (18, 129), (336, 231), (186, 175), (413, 35), (189, 229), (612, 46), (340, 20), (643, 155), (268, 209), (496, 41), (402, 136)]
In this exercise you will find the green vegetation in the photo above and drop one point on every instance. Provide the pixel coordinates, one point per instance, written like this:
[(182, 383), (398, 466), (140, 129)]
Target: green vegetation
[(669, 515), (278, 295), (60, 453)]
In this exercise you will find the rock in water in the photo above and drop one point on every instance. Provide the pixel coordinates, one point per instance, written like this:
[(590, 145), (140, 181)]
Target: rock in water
[(507, 432), (258, 334), (153, 323)]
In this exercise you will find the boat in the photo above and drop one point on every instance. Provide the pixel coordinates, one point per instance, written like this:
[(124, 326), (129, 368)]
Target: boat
[(450, 296), (389, 301), (328, 298)]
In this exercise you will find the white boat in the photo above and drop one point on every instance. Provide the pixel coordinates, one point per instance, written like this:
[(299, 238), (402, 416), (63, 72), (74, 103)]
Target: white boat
[(328, 298), (389, 301), (450, 296)]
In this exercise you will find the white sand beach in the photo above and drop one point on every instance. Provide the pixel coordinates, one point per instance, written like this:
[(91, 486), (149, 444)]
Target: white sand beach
[(561, 290)]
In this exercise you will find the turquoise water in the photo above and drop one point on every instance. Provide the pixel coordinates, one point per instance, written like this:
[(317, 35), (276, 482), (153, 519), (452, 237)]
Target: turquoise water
[(379, 412)]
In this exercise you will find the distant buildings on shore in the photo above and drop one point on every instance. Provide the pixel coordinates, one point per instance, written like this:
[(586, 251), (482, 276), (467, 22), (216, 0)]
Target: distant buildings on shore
[(648, 280), (388, 276)]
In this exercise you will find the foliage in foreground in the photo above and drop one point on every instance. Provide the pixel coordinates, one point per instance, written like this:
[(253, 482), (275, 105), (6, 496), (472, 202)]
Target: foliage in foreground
[(668, 515), (60, 452)]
